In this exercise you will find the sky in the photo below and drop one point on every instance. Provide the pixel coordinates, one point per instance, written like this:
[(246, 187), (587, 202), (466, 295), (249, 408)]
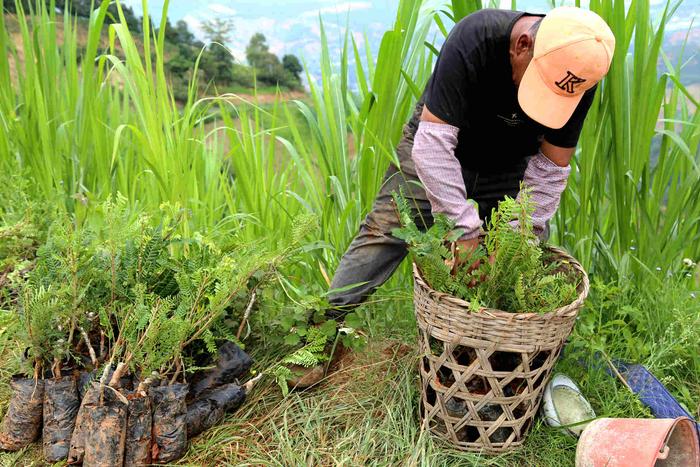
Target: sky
[(292, 26)]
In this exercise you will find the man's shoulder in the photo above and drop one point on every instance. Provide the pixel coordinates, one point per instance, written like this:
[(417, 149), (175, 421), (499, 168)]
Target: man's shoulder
[(487, 23), (491, 16)]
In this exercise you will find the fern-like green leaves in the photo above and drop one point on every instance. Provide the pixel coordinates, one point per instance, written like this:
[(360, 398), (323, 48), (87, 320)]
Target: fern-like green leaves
[(513, 274), (129, 293)]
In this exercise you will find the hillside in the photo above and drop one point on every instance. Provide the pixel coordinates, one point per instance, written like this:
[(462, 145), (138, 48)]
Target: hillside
[(217, 69)]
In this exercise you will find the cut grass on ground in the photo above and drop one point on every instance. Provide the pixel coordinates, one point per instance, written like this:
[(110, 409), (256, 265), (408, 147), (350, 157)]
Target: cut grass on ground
[(365, 413)]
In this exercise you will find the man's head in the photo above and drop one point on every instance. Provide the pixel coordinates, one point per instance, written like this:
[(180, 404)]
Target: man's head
[(557, 60), (522, 45)]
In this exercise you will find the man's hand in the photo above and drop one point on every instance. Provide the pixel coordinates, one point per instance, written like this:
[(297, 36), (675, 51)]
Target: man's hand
[(462, 252)]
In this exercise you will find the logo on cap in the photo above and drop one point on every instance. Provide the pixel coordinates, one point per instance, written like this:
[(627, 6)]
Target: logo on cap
[(568, 82)]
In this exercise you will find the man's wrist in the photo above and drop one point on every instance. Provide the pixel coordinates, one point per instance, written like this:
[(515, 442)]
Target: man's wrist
[(465, 246)]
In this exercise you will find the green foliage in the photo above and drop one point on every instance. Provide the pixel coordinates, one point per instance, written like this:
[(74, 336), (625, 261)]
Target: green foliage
[(79, 8), (217, 64), (243, 76), (292, 64), (59, 298), (23, 226), (219, 29), (310, 355), (79, 139), (429, 249), (161, 332), (521, 276), (42, 328), (158, 299), (513, 273), (658, 327), (631, 205), (268, 68)]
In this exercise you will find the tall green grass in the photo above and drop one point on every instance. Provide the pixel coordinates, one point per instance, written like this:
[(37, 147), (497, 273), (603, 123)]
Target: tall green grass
[(625, 214), (339, 183), (85, 127), (87, 132)]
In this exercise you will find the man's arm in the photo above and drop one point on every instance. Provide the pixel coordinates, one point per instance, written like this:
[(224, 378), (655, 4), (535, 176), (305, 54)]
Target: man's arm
[(546, 175), (441, 174)]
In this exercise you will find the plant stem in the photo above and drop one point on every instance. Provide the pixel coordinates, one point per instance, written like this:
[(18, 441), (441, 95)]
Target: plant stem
[(178, 368), (251, 383), (102, 344), (93, 357), (117, 375), (56, 368), (144, 385), (246, 315)]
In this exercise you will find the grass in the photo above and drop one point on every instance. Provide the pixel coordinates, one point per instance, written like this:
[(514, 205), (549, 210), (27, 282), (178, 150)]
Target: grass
[(354, 420), (619, 201), (365, 413)]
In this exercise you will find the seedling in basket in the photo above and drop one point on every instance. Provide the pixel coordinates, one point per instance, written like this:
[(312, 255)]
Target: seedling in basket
[(514, 273)]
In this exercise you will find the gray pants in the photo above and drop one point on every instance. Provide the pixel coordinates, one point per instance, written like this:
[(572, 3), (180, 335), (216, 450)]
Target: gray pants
[(375, 253)]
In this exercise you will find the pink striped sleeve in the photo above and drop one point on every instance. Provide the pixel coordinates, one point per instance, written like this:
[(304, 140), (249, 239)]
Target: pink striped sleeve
[(441, 175), (546, 182)]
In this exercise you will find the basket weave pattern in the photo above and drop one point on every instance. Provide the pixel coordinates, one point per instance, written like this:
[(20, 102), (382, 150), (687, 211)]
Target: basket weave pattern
[(483, 373)]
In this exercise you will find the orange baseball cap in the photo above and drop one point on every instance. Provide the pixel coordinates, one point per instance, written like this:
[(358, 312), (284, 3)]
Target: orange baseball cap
[(573, 51)]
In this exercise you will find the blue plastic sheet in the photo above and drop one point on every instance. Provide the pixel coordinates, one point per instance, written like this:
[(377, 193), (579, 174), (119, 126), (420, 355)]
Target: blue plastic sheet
[(652, 392)]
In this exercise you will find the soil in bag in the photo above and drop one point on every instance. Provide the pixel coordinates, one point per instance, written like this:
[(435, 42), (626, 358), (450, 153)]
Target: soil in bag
[(209, 410), (169, 422), (232, 362), (85, 378), (22, 423), (89, 398), (138, 430), (104, 426), (61, 404)]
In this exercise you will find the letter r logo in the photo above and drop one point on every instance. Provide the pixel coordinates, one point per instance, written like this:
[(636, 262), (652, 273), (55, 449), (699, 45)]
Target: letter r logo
[(568, 82)]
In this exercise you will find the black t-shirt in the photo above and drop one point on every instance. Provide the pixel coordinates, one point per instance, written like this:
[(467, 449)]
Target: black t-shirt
[(472, 88)]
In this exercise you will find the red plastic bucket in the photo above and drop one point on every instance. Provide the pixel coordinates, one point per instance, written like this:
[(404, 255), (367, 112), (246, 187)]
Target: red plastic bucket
[(638, 442)]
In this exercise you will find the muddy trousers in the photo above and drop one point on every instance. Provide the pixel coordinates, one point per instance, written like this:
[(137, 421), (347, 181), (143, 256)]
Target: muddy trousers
[(375, 253)]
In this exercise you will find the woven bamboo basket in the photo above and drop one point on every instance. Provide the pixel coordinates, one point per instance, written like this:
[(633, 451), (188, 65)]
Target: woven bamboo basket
[(483, 373)]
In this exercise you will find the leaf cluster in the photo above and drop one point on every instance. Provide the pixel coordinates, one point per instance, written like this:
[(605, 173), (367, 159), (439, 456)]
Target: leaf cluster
[(514, 272), (309, 355), (23, 228)]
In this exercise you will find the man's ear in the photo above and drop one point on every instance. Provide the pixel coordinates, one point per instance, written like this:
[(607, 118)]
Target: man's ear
[(525, 44)]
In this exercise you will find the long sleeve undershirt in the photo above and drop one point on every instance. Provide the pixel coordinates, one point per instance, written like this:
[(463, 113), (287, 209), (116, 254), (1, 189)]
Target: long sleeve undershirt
[(546, 182), (441, 175)]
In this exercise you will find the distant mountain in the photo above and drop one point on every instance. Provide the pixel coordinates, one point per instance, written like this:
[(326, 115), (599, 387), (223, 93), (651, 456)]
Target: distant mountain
[(292, 26)]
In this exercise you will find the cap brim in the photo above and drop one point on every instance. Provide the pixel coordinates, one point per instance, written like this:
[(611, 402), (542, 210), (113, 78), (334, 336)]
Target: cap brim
[(541, 103)]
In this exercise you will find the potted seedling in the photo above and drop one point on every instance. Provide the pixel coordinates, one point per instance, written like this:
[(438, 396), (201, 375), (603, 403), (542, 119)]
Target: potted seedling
[(39, 334), (53, 328), (114, 424)]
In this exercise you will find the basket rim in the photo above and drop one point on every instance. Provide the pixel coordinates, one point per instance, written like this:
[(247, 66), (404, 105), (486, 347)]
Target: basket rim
[(565, 310)]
